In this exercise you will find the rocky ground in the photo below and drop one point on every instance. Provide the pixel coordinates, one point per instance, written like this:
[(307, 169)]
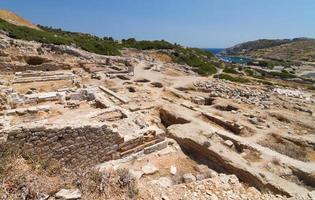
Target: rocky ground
[(79, 125)]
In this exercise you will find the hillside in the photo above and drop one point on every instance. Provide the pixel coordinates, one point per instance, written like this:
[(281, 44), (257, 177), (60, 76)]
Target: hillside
[(301, 49), (201, 61), (16, 20)]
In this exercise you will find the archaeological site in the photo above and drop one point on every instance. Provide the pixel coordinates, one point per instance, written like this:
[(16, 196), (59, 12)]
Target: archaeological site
[(78, 124)]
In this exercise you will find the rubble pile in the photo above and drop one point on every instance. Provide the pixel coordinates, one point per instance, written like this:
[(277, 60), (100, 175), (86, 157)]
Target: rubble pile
[(220, 187), (220, 88)]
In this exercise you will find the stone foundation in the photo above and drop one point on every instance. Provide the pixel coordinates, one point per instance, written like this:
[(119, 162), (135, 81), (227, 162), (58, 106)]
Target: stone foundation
[(80, 146)]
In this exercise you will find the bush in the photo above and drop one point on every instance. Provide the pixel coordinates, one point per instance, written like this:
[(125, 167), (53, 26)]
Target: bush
[(147, 45), (282, 75), (230, 70), (206, 69), (110, 183), (265, 82), (200, 60), (58, 37), (249, 72), (311, 87)]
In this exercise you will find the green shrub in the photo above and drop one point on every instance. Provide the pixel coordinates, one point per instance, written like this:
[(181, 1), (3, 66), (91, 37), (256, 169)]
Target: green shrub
[(88, 42), (147, 45), (311, 87), (203, 62), (206, 69), (282, 75), (265, 82), (230, 70), (249, 72), (57, 36)]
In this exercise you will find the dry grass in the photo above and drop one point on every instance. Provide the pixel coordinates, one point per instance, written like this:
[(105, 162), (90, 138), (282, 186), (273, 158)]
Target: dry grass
[(26, 176), (110, 184), (15, 19)]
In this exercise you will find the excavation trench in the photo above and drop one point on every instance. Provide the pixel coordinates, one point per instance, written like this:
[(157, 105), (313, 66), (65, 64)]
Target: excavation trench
[(214, 161), (299, 176), (168, 119), (202, 154)]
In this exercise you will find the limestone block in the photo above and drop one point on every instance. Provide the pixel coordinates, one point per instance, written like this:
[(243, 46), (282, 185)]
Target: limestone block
[(156, 147), (188, 178), (149, 169), (71, 194), (173, 170)]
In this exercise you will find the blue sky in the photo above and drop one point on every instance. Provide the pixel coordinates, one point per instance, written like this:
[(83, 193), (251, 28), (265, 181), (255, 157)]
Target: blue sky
[(197, 23)]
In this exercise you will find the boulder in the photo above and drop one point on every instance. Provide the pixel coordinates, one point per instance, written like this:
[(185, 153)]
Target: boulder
[(173, 170), (135, 174), (229, 143), (312, 195), (165, 182), (70, 194), (43, 197), (188, 178), (149, 169)]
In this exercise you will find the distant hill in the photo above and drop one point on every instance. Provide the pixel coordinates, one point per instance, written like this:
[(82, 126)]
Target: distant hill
[(15, 19), (299, 49)]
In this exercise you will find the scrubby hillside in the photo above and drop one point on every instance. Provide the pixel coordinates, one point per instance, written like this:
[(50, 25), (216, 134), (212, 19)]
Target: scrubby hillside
[(15, 19), (302, 49), (298, 50), (203, 62)]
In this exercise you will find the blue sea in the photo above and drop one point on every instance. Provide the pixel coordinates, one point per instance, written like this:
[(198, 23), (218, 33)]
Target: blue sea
[(230, 59)]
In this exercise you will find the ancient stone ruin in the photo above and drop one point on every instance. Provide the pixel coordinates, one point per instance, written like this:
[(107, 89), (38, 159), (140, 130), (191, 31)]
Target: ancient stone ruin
[(179, 135)]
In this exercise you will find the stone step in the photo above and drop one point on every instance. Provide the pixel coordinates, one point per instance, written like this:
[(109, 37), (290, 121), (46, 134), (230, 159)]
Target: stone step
[(140, 147)]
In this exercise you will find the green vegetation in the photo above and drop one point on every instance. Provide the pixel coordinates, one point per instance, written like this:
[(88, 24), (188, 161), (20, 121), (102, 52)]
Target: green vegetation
[(91, 43), (249, 72), (297, 50), (255, 45), (25, 33), (236, 79), (147, 45), (270, 64), (59, 37), (260, 74), (282, 75), (311, 87), (202, 61), (265, 82), (230, 70)]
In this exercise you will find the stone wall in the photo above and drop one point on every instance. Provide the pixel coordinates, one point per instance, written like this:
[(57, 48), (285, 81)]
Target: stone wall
[(78, 146), (9, 67)]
